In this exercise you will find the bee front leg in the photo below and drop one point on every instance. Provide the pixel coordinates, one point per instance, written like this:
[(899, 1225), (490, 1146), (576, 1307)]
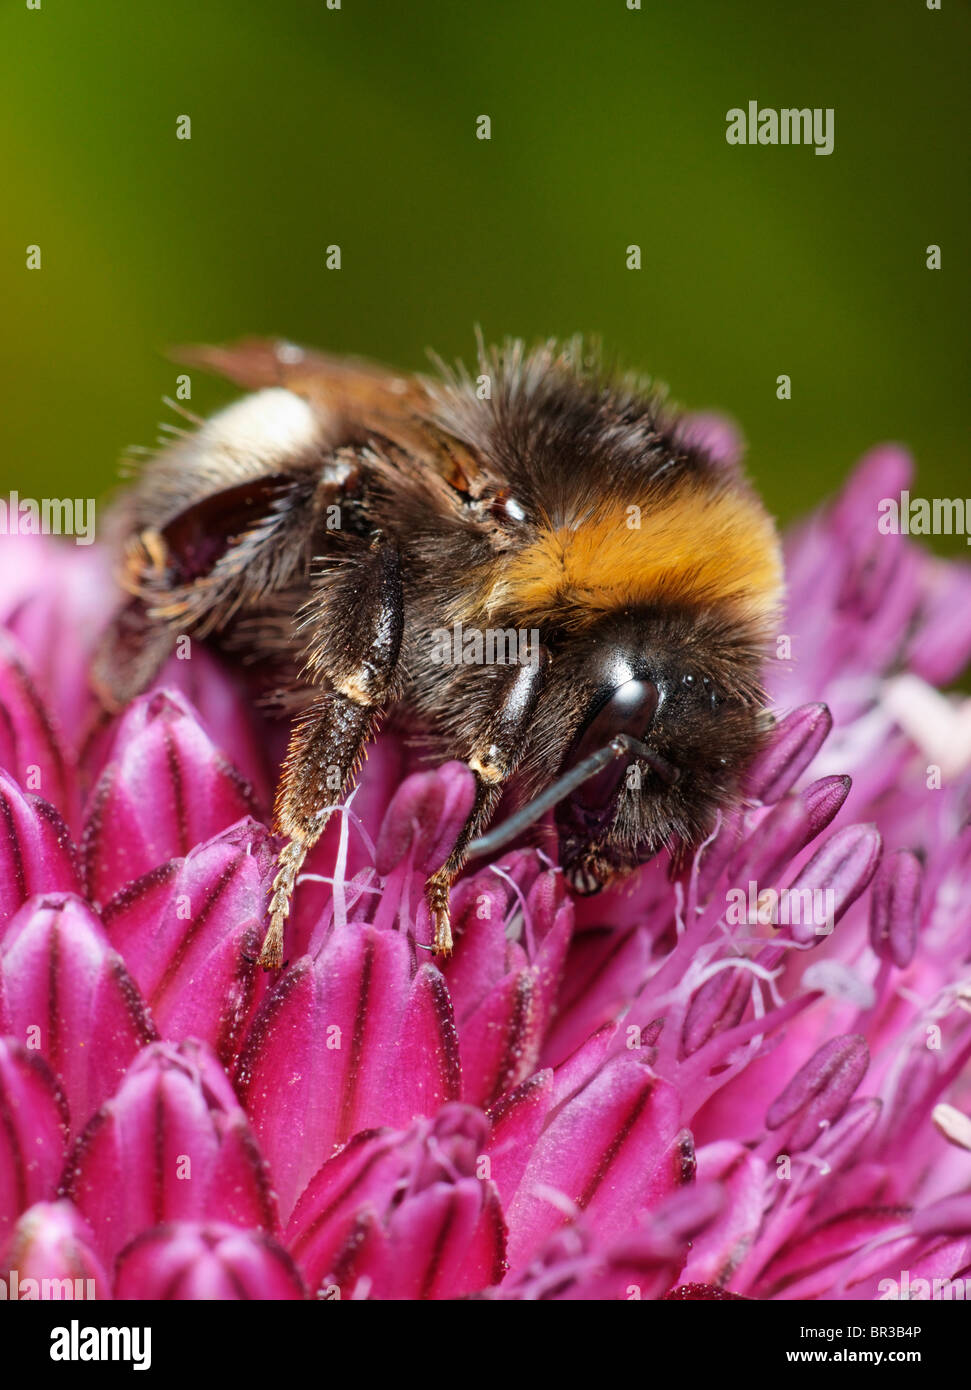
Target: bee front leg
[(355, 622), (493, 758)]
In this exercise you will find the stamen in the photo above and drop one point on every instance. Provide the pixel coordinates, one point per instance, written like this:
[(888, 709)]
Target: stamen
[(953, 1124), (821, 1090)]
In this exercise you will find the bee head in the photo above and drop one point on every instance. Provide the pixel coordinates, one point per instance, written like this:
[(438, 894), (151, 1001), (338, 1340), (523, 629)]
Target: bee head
[(684, 689)]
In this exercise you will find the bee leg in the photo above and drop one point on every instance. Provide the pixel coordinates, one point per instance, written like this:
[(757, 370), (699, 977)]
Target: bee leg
[(357, 656), (220, 553), (620, 746), (324, 754), (129, 655), (488, 779), (493, 758)]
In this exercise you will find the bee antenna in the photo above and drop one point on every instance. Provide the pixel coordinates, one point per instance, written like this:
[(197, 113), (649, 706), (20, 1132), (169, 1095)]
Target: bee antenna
[(623, 745)]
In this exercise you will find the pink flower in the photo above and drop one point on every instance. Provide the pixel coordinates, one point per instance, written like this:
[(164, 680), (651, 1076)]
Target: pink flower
[(751, 1081)]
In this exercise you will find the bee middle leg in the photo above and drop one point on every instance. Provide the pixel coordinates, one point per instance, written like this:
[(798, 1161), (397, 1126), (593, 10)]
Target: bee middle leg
[(493, 757), (356, 618)]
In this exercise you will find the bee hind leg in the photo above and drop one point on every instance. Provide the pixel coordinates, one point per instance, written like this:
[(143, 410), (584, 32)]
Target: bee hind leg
[(355, 622), (326, 747)]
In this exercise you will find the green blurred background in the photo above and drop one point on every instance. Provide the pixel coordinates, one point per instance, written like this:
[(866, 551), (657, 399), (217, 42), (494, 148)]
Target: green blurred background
[(356, 126)]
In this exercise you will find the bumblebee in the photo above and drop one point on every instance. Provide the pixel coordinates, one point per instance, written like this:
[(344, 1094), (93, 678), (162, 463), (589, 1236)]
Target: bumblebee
[(331, 524)]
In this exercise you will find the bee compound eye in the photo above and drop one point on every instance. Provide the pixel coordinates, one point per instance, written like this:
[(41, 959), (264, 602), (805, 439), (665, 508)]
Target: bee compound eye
[(629, 710)]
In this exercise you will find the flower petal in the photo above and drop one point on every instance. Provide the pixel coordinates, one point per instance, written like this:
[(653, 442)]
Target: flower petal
[(600, 968), (884, 471), (575, 1264), (940, 644), (702, 1293), (403, 1215), (36, 854), (481, 957), (33, 1131), (517, 1122), (68, 994), (39, 761), (52, 1245), (445, 1242), (500, 1042), (716, 1253), (952, 1216), (424, 819), (190, 931), (165, 789), (54, 600), (189, 1260), (500, 1039), (206, 1260), (608, 1152), (714, 434), (346, 1040), (225, 710), (172, 1143), (817, 1254)]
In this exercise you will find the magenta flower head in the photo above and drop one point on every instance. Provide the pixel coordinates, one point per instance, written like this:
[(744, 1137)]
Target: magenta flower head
[(741, 1076)]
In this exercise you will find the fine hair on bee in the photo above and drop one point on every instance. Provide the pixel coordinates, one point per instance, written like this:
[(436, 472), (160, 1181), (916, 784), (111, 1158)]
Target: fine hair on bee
[(327, 527)]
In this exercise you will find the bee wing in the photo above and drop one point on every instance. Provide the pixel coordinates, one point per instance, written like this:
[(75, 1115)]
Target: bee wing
[(365, 401)]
